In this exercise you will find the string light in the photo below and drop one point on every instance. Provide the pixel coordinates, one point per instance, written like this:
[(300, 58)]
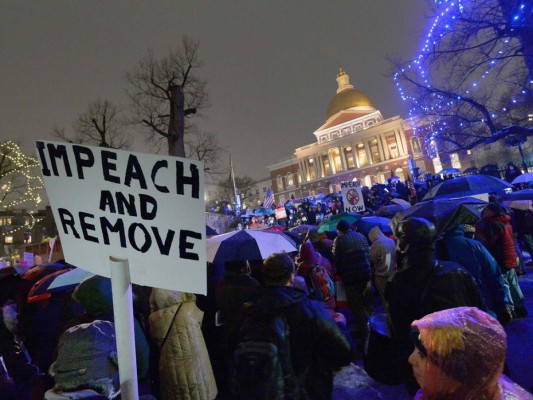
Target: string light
[(432, 87)]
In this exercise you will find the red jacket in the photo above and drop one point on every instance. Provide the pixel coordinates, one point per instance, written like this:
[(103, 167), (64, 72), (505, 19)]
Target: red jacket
[(497, 234)]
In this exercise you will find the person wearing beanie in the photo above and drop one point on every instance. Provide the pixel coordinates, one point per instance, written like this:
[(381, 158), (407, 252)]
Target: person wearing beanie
[(459, 354)]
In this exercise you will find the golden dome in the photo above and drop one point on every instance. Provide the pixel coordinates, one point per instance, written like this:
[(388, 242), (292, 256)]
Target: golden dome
[(347, 97)]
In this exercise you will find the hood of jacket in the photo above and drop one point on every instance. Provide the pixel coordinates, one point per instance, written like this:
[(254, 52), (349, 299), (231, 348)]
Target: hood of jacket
[(502, 218), (375, 233), (457, 231), (94, 294), (307, 255)]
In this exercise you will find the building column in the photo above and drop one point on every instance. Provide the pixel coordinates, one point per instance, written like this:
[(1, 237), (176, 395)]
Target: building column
[(303, 169), (385, 147), (381, 148), (404, 150)]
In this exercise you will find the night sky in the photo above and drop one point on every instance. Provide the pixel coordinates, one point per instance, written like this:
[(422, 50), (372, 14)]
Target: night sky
[(270, 65)]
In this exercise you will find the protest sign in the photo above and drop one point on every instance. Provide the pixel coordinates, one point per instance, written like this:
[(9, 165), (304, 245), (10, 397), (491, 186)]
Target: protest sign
[(144, 208), (352, 197)]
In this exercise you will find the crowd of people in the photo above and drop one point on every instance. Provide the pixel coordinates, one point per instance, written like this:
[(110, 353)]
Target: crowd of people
[(446, 295)]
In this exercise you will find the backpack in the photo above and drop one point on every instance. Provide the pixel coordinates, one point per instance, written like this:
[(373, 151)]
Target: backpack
[(87, 359), (322, 285), (262, 360)]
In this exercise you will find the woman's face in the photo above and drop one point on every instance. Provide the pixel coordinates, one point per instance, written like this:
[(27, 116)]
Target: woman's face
[(418, 361)]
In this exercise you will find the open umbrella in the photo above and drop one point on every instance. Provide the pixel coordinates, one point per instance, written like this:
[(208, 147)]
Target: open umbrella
[(448, 171), (302, 229), (401, 202), (391, 210), (467, 186), (330, 224), (444, 213), (247, 245), (524, 178), (471, 170), (210, 231), (365, 224), (520, 200)]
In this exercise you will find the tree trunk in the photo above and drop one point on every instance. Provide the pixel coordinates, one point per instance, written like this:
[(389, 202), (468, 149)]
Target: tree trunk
[(176, 125)]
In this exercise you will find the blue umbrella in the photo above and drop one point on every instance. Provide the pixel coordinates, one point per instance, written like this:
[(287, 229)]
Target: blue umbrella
[(467, 186), (365, 224), (263, 212)]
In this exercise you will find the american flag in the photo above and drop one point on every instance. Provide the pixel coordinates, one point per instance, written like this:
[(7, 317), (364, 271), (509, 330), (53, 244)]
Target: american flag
[(411, 187), (269, 199)]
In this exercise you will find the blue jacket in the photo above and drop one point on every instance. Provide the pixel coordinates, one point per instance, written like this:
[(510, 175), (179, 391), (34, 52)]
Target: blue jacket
[(477, 260)]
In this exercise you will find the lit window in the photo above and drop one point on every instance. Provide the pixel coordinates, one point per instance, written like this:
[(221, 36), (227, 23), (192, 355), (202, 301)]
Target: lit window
[(8, 240)]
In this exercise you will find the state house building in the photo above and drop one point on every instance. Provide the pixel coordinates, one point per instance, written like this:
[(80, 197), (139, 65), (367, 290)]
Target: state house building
[(354, 143)]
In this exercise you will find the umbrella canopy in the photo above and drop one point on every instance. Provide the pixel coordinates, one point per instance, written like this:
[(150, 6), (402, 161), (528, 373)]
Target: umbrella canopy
[(467, 186), (330, 224), (210, 231), (471, 170), (302, 229), (444, 213), (246, 213), (247, 245), (524, 194), (524, 178), (448, 171), (58, 281), (365, 224), (520, 204), (391, 210), (401, 202)]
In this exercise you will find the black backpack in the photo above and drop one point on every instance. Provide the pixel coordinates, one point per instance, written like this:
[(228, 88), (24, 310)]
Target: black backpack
[(262, 360)]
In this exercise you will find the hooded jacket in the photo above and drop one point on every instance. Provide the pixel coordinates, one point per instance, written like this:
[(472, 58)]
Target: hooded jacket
[(308, 258), (382, 257), (351, 254), (184, 366), (497, 234), (476, 259), (317, 345)]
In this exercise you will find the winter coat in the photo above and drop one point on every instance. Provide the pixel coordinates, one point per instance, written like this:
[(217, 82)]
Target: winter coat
[(351, 254), (476, 259), (497, 234), (235, 289), (382, 257), (317, 345), (308, 258), (94, 295), (421, 287), (184, 366)]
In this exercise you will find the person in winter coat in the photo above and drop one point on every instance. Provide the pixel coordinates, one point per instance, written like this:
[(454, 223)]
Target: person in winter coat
[(317, 345), (17, 378), (382, 259), (184, 366), (497, 234), (236, 288), (459, 354), (476, 259), (419, 287), (306, 260), (351, 253), (94, 295), (323, 246)]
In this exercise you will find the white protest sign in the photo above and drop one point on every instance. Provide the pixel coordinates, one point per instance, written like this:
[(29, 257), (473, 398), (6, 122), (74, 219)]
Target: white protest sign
[(145, 208), (352, 197)]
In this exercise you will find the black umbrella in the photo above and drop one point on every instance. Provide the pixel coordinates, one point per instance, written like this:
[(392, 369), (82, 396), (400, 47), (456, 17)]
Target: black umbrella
[(467, 186), (444, 213)]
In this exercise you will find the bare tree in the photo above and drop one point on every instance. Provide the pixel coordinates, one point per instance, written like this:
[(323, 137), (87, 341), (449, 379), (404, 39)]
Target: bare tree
[(205, 146), (244, 186), (20, 183), (166, 92), (101, 125), (473, 81)]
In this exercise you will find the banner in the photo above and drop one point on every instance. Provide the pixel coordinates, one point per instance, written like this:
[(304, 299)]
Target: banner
[(352, 197), (146, 208)]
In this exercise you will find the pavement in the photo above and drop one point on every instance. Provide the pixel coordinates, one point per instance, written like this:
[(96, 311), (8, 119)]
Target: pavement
[(352, 382)]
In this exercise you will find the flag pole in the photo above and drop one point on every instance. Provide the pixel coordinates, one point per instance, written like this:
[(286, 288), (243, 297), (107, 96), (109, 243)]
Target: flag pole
[(237, 203)]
